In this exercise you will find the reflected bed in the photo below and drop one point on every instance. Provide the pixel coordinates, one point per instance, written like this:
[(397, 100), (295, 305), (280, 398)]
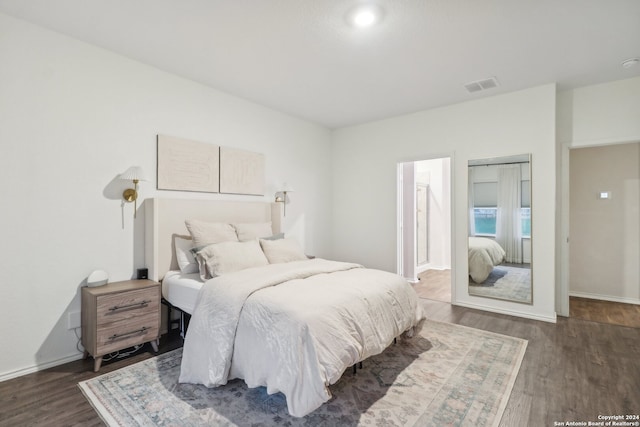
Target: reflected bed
[(484, 254)]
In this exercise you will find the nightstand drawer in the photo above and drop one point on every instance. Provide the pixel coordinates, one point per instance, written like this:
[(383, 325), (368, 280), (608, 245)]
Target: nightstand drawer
[(119, 335), (120, 315), (127, 305)]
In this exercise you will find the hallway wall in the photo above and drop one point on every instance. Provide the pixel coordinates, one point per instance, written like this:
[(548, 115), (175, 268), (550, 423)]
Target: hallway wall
[(605, 233)]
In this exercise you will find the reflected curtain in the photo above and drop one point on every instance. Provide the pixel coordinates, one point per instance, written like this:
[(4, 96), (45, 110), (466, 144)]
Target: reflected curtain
[(508, 222), (471, 194)]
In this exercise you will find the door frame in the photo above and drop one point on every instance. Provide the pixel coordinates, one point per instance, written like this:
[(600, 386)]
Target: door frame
[(400, 212), (563, 271)]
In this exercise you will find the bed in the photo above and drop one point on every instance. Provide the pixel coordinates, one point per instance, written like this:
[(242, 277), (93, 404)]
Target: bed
[(484, 254), (293, 327)]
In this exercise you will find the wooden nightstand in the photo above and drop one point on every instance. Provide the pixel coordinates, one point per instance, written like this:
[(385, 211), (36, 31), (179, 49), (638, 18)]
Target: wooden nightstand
[(120, 315)]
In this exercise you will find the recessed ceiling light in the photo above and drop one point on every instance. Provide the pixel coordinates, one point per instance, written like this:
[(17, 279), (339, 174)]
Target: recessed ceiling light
[(365, 16), (631, 62)]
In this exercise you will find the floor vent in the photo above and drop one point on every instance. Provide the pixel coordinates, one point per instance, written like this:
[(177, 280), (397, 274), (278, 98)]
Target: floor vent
[(483, 84)]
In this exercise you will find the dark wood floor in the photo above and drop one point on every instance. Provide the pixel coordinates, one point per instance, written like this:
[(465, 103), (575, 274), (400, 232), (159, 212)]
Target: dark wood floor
[(52, 397), (574, 370), (605, 311), (436, 285)]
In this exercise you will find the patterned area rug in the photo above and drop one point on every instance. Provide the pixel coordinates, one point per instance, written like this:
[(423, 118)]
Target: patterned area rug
[(511, 283), (449, 375)]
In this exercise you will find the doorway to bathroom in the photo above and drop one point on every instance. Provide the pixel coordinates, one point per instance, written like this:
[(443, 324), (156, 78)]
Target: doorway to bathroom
[(424, 206)]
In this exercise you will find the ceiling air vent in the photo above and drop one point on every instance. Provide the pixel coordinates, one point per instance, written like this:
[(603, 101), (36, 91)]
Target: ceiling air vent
[(483, 84)]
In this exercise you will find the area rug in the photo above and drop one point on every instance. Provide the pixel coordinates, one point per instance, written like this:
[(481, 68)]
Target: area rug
[(505, 282), (448, 375)]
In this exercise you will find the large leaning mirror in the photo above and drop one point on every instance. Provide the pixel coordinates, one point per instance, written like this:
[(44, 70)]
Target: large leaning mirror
[(500, 228)]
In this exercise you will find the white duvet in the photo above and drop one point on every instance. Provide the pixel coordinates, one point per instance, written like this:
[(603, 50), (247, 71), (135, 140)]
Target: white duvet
[(295, 327), (484, 254)]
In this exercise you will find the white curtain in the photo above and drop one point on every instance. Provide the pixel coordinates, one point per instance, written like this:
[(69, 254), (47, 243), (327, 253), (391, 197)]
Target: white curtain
[(471, 194), (508, 221)]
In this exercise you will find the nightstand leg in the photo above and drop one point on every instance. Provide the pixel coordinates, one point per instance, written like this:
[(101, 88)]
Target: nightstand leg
[(96, 364), (85, 354), (154, 344)]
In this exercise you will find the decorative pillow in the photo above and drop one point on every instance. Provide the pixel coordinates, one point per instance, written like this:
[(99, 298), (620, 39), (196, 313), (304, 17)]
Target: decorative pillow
[(253, 230), (186, 261), (282, 250), (227, 257), (206, 233), (202, 267)]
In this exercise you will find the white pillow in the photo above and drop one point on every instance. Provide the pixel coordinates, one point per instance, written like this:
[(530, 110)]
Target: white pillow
[(282, 250), (253, 230), (206, 233), (186, 260), (227, 257)]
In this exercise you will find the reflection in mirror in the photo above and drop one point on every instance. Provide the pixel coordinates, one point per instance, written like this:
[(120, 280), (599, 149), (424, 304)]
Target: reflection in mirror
[(500, 228)]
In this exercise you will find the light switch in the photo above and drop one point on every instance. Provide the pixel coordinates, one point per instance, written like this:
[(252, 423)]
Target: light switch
[(604, 195)]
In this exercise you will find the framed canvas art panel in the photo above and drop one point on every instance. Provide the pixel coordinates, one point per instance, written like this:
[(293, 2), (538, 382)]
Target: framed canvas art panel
[(241, 172), (187, 165)]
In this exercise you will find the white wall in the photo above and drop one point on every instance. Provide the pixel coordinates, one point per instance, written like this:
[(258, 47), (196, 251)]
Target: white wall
[(600, 114), (75, 116), (365, 159)]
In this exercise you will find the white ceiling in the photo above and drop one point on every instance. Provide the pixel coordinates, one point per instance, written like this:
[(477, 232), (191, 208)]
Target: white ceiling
[(301, 56)]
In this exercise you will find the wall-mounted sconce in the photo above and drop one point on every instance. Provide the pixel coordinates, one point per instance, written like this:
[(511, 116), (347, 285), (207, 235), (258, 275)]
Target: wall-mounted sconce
[(281, 196), (135, 174)]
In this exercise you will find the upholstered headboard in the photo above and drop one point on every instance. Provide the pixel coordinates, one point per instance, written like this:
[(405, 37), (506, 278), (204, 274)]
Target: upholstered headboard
[(164, 219)]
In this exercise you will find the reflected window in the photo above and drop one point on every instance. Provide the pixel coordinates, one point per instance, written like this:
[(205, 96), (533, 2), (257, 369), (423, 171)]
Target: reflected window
[(485, 221), (525, 216)]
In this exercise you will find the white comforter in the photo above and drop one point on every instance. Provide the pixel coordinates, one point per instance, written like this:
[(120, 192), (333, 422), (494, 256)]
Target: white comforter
[(484, 254), (295, 327)]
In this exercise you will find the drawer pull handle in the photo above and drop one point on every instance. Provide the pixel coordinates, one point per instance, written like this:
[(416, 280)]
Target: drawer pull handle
[(134, 305), (140, 331)]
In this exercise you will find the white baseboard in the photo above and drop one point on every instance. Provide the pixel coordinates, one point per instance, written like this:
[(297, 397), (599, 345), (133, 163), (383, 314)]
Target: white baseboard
[(588, 295), (544, 318), (431, 267), (439, 267), (39, 367)]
